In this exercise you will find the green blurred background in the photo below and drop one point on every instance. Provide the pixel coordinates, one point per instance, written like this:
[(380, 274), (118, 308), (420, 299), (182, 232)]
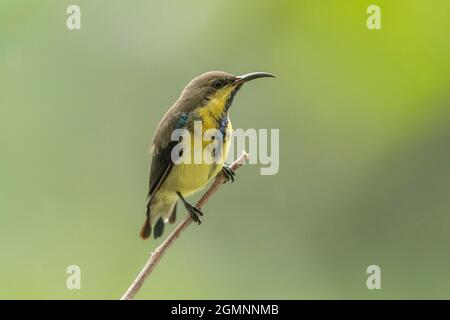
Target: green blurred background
[(364, 123)]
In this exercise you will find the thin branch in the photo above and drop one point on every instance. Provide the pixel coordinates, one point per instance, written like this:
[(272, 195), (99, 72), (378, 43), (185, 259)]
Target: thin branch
[(156, 255)]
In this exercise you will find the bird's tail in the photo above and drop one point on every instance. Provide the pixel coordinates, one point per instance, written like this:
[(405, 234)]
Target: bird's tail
[(146, 229), (161, 220)]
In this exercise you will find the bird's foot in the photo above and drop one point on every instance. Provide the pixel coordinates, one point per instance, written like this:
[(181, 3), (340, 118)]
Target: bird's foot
[(228, 173), (194, 212)]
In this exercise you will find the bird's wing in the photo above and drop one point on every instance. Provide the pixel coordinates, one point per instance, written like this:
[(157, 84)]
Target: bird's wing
[(162, 163), (161, 166), (160, 169)]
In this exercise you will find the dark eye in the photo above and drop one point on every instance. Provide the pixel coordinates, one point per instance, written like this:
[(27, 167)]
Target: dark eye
[(218, 84)]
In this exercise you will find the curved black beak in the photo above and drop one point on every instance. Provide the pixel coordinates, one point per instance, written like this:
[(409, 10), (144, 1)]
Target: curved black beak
[(251, 76)]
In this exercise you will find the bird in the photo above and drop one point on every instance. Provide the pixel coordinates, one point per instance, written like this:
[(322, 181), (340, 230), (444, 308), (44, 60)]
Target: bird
[(206, 99)]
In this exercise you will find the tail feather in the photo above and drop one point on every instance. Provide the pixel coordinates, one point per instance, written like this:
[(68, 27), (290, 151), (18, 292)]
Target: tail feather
[(159, 228), (162, 219), (146, 229)]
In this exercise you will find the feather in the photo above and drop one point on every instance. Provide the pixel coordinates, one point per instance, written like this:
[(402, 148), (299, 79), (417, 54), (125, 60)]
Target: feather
[(159, 228)]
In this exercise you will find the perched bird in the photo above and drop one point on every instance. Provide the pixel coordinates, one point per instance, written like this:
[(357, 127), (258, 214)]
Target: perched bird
[(206, 98)]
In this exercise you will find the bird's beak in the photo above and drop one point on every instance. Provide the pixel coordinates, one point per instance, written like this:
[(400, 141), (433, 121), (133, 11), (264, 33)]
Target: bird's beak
[(251, 76)]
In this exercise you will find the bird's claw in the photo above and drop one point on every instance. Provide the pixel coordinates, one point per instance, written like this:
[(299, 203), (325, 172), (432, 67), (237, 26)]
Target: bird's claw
[(229, 174), (195, 213)]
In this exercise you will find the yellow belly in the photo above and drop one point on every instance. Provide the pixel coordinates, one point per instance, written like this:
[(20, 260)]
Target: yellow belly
[(190, 178)]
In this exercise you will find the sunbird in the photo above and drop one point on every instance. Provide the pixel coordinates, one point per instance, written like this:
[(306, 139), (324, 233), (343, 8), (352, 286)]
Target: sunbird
[(207, 99)]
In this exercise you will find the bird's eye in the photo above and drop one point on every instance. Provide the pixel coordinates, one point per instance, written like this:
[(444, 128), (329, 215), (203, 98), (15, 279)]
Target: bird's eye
[(218, 84)]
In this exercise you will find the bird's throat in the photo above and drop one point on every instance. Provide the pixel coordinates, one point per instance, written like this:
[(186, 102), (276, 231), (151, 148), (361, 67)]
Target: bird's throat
[(216, 109)]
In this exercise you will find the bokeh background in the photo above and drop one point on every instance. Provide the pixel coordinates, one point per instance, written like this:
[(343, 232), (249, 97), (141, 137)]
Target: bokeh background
[(364, 123)]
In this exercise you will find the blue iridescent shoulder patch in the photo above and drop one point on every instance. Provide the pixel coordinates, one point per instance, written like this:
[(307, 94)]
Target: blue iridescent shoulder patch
[(182, 121)]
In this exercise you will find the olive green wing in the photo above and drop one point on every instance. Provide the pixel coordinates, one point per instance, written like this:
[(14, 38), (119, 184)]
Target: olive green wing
[(162, 162)]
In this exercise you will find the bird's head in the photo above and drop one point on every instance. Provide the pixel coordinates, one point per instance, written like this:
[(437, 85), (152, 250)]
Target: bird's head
[(218, 87)]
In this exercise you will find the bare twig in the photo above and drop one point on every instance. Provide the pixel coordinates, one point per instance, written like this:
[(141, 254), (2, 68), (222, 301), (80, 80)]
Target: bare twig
[(159, 252)]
